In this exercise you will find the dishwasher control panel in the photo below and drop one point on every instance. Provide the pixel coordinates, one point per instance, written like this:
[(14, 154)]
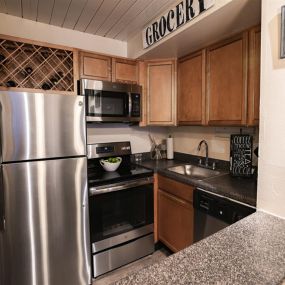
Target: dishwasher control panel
[(219, 207)]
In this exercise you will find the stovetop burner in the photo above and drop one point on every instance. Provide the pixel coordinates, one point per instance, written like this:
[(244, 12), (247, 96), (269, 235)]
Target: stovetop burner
[(98, 176)]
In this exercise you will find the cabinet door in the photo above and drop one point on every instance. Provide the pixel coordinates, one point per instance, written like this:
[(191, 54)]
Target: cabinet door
[(227, 81), (161, 85), (175, 221), (125, 71), (191, 89), (254, 77), (95, 66)]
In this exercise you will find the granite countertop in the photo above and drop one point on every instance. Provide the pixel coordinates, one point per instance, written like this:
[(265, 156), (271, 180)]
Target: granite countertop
[(251, 251), (240, 189)]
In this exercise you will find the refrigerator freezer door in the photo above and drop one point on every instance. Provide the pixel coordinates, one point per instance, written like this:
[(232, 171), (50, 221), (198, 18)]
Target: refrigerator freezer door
[(39, 126), (46, 235)]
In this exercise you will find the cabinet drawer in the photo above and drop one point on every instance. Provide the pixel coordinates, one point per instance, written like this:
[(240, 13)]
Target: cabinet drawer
[(95, 66), (175, 188), (125, 71)]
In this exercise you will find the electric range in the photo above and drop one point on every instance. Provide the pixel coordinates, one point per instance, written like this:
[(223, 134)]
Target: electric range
[(120, 207)]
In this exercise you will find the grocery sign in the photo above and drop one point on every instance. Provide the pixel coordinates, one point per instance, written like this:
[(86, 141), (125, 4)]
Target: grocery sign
[(179, 15)]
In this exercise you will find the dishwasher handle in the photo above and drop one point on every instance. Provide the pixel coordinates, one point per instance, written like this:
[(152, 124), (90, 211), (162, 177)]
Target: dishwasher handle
[(202, 201), (204, 204)]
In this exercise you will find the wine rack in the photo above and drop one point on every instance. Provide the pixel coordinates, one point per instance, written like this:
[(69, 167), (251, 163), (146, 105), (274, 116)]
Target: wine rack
[(26, 65)]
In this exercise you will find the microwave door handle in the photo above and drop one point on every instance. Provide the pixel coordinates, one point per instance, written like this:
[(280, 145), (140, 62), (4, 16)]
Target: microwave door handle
[(130, 104)]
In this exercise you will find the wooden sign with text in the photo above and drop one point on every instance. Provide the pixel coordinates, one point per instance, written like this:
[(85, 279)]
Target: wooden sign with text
[(241, 155), (179, 15)]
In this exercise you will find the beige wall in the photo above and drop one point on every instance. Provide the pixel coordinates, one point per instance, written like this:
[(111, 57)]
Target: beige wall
[(271, 178), (18, 27), (186, 140), (138, 137)]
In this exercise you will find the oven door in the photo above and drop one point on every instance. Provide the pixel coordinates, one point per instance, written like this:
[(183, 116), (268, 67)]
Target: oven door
[(120, 212)]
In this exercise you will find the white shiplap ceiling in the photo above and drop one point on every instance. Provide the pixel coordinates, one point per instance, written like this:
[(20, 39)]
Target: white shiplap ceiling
[(116, 19)]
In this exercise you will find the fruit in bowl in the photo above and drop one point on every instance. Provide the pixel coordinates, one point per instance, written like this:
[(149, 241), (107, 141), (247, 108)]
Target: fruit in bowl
[(111, 163)]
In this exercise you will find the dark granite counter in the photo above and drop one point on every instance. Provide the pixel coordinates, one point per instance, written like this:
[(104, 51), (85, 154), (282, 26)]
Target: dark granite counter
[(240, 189), (251, 251)]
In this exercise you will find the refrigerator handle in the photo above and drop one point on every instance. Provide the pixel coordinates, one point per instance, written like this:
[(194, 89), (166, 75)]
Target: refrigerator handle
[(2, 202), (86, 233)]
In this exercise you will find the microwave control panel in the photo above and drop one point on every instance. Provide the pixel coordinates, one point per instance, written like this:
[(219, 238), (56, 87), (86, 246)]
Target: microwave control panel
[(136, 105)]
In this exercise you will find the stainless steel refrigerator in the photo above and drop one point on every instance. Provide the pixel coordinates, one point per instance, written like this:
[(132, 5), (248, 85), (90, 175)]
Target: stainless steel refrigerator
[(44, 226)]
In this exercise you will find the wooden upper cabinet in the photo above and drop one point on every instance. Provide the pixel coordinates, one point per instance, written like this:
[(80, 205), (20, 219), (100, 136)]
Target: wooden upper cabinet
[(161, 93), (94, 66), (126, 71), (191, 89), (254, 76), (226, 87)]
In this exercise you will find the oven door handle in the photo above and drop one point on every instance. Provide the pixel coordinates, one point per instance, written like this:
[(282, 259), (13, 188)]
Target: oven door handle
[(120, 186)]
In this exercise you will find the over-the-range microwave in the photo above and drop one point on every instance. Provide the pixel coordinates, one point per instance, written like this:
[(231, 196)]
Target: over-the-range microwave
[(111, 102)]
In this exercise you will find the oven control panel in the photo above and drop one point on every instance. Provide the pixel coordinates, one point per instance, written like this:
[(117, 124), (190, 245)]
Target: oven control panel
[(104, 149), (99, 150)]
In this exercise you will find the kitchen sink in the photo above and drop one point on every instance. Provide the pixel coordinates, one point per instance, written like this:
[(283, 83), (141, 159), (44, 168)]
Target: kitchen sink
[(195, 172)]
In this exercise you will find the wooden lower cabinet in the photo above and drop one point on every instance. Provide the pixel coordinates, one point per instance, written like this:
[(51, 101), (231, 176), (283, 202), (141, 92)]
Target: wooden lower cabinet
[(175, 215)]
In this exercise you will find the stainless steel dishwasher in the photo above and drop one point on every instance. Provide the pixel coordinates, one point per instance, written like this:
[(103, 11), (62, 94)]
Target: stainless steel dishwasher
[(213, 212)]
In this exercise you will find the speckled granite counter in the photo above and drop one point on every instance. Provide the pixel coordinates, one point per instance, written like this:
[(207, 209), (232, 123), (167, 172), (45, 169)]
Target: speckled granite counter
[(251, 251), (241, 189)]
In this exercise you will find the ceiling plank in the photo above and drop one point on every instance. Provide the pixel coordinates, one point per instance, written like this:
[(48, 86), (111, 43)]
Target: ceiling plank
[(104, 11), (59, 12), (30, 9), (114, 17), (3, 7), (88, 12), (132, 13), (75, 9), (14, 7), (151, 12), (45, 8)]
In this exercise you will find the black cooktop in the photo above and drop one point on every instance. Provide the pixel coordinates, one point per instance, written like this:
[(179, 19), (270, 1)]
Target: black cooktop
[(98, 176)]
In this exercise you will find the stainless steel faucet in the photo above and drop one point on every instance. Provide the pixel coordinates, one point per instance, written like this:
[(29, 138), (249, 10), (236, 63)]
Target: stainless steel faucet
[(207, 152)]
